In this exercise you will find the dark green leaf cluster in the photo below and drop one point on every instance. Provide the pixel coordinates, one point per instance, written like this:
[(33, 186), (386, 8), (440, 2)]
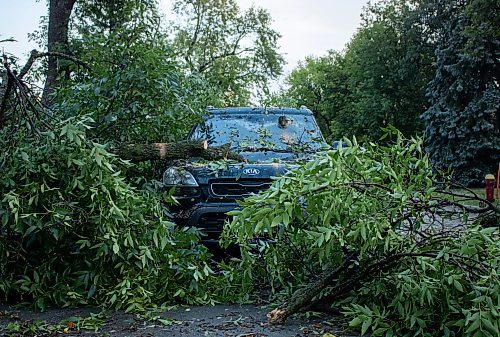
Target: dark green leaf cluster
[(136, 91), (463, 122), (74, 232), (73, 229), (376, 214), (380, 79), (427, 66)]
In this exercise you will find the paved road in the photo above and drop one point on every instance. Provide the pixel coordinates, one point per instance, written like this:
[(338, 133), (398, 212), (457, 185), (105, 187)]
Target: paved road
[(220, 320)]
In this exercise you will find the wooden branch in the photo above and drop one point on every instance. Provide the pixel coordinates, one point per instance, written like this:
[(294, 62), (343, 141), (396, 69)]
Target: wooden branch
[(34, 55), (8, 40), (180, 150), (221, 152), (304, 299), (304, 296), (489, 205), (207, 64), (160, 151)]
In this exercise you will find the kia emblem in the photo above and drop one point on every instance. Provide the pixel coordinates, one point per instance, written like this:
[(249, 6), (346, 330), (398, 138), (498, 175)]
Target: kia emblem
[(251, 171)]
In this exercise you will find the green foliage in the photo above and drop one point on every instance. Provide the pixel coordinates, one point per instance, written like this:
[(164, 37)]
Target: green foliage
[(23, 328), (322, 85), (463, 123), (135, 91), (368, 210), (73, 231), (379, 80), (410, 59), (235, 51)]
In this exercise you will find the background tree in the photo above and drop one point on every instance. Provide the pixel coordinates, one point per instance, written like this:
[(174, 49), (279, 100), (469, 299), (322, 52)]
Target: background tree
[(57, 42), (379, 79), (462, 126), (132, 86), (235, 51), (321, 84)]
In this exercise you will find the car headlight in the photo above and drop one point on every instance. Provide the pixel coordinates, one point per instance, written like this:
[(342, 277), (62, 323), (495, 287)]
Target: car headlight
[(178, 177)]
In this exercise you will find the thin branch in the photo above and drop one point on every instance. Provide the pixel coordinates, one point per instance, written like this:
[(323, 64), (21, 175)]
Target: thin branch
[(34, 55), (8, 40)]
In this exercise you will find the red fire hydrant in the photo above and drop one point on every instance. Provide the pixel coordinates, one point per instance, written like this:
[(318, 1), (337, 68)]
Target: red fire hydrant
[(490, 187)]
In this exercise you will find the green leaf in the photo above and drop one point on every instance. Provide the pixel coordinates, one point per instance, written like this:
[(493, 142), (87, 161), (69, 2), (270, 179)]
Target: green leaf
[(355, 322), (366, 325)]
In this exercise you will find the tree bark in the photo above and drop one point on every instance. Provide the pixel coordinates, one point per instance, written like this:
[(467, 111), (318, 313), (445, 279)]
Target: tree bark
[(5, 89), (220, 152), (180, 150), (59, 14), (304, 296)]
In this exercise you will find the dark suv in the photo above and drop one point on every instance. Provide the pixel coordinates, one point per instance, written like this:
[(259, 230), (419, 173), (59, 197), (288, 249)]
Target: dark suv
[(270, 140)]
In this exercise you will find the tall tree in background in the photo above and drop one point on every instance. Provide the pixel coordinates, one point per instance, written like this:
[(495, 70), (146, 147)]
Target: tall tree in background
[(321, 84), (57, 42), (463, 123), (389, 66), (380, 78), (136, 91), (235, 51)]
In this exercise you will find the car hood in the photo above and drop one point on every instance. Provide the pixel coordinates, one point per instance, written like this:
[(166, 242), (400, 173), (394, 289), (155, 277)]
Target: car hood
[(270, 156), (204, 173)]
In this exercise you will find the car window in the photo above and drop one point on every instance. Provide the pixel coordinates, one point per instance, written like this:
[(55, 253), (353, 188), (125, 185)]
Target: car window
[(250, 132)]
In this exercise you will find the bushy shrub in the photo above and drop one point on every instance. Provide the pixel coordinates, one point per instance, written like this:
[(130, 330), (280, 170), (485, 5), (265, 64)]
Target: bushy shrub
[(73, 231), (374, 221)]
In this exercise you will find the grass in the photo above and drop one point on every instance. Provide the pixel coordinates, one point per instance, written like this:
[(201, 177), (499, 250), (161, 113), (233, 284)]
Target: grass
[(469, 193)]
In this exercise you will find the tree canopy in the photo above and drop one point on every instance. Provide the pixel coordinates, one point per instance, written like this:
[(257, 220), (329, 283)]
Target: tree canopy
[(378, 80), (236, 51), (416, 65), (463, 121)]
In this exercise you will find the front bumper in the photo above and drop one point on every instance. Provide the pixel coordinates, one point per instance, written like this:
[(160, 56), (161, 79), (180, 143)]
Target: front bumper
[(209, 217)]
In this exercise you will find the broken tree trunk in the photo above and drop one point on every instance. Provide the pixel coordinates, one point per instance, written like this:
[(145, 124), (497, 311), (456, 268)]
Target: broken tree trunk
[(179, 150), (221, 152), (304, 296), (5, 88)]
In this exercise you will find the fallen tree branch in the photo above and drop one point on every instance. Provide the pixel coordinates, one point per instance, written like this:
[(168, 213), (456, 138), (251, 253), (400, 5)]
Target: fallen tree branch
[(24, 98), (221, 152), (179, 150), (304, 296), (8, 40)]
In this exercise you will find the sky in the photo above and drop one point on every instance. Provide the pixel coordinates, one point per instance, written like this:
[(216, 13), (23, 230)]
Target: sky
[(308, 27)]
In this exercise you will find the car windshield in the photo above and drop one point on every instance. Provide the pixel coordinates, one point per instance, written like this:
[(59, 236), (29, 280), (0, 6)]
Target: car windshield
[(261, 132)]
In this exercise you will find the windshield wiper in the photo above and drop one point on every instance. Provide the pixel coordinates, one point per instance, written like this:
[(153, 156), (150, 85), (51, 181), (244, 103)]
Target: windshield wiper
[(270, 149)]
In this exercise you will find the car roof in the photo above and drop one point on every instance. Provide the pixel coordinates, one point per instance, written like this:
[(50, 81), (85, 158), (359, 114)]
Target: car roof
[(258, 110)]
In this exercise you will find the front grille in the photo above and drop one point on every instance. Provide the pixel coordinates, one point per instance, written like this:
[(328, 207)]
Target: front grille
[(235, 189), (212, 224), (212, 220)]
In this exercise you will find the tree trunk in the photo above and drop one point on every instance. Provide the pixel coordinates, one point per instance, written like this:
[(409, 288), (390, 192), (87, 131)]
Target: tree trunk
[(220, 152), (303, 297), (59, 14), (5, 89), (180, 150)]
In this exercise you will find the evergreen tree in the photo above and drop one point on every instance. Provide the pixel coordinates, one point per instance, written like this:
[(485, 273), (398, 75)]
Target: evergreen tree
[(463, 122)]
